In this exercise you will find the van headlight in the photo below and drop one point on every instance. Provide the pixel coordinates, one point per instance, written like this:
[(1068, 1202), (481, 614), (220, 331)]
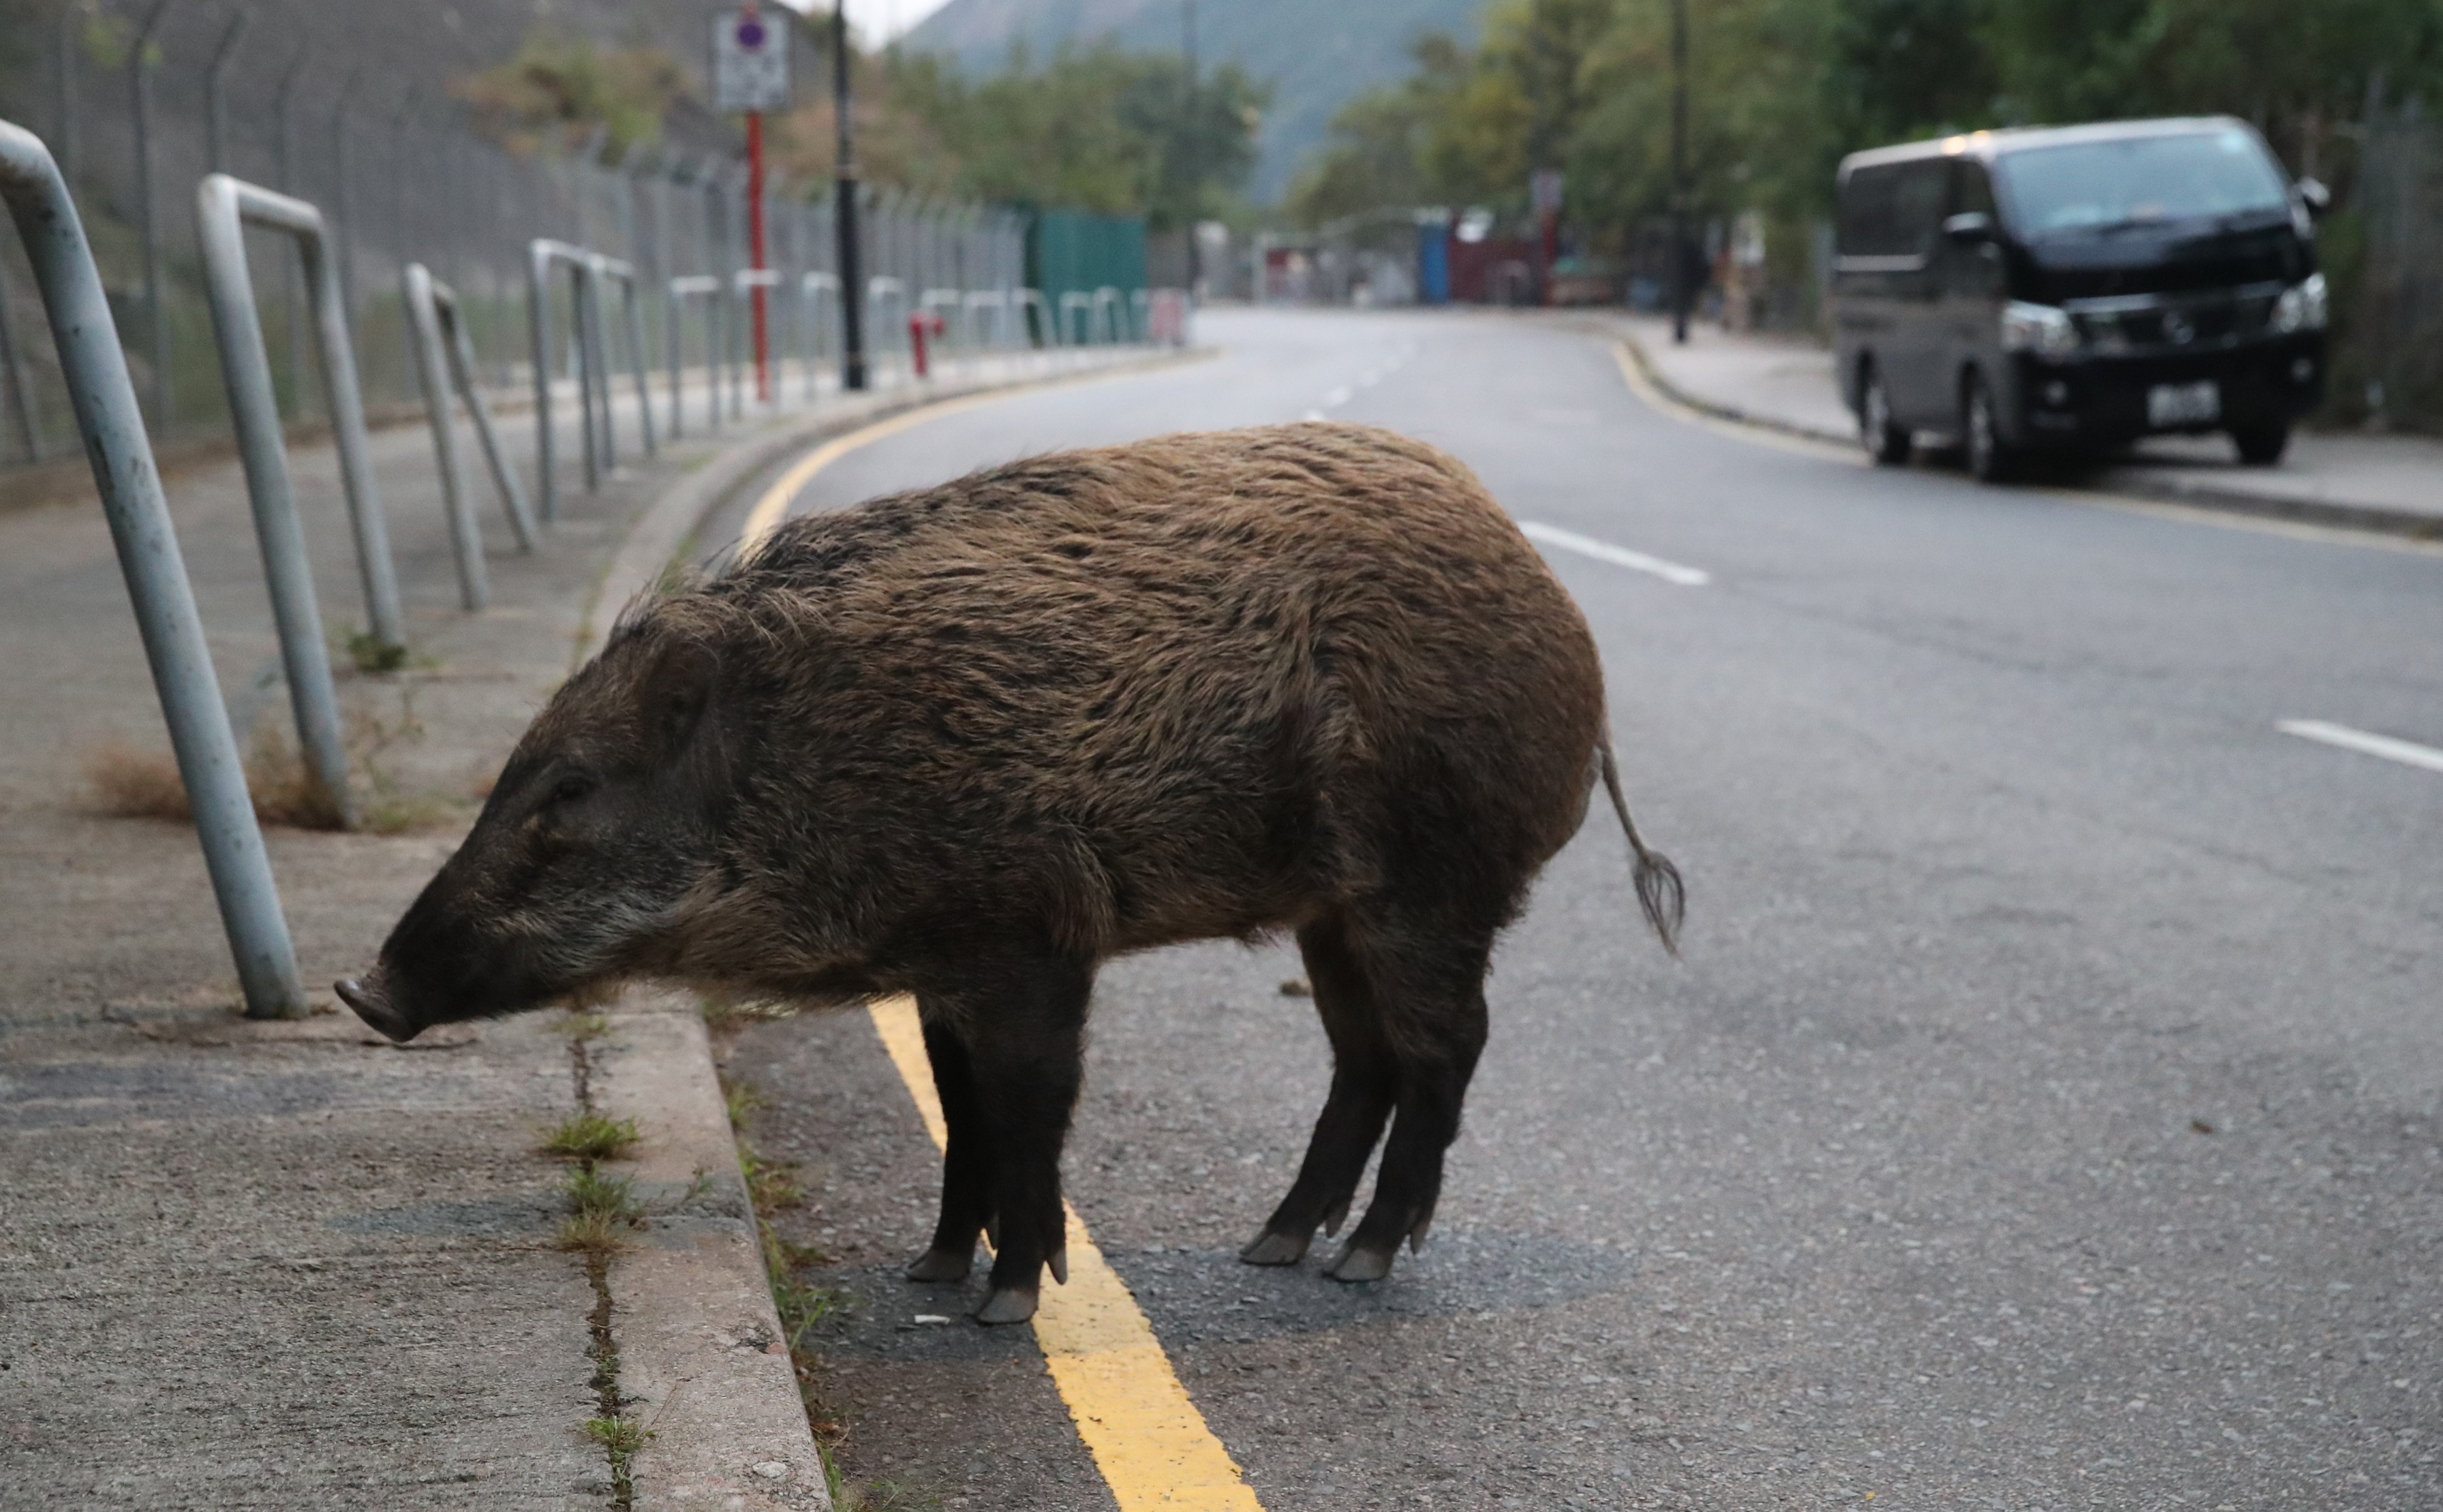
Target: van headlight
[(2039, 328), (2302, 306)]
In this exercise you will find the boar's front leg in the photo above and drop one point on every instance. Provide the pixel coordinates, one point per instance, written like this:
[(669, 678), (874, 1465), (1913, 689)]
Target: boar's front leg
[(1020, 1020), (966, 1179)]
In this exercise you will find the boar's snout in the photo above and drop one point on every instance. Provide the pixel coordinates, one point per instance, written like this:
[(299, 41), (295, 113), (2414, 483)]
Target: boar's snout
[(372, 1004)]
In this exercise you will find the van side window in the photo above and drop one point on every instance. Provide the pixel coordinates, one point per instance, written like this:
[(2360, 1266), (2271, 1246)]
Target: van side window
[(1974, 189), (1893, 209)]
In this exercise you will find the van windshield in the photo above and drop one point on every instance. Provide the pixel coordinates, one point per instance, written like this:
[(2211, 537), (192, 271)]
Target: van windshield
[(2097, 188)]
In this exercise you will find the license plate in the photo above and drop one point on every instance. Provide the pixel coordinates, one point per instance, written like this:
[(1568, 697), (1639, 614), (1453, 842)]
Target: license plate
[(2184, 403)]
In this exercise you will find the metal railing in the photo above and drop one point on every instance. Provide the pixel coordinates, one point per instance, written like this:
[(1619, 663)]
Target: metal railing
[(743, 286), (707, 288), (224, 208), (444, 361), (107, 416), (593, 383), (812, 288)]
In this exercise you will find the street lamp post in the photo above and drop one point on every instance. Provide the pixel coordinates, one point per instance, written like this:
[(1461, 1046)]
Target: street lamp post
[(844, 185)]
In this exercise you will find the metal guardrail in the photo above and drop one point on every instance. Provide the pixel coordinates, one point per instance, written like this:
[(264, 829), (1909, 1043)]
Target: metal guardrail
[(543, 254), (812, 288), (223, 207), (1032, 300), (166, 618), (1079, 300), (954, 321), (599, 270), (881, 335), (1107, 310), (707, 288), (743, 286), (444, 359)]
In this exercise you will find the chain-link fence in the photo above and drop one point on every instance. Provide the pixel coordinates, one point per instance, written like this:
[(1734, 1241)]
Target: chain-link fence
[(2388, 366), (137, 116)]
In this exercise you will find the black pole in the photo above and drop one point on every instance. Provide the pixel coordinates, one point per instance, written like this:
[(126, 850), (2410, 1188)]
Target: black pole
[(844, 185), (1679, 291)]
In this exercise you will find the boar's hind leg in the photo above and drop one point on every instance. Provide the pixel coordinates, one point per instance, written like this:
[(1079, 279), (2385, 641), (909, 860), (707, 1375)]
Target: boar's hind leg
[(967, 1177), (1021, 1021), (1364, 1081), (1431, 988)]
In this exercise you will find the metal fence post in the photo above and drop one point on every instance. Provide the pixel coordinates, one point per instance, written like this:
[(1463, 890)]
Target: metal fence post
[(156, 319), (223, 206), (466, 536), (541, 253), (461, 352), (810, 288), (284, 149), (632, 302), (71, 14), (216, 92), (743, 286), (706, 287), (173, 632), (21, 391)]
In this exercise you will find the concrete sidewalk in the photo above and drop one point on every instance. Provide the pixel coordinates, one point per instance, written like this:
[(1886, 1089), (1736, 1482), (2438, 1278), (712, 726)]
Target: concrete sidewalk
[(286, 1264), (2382, 483)]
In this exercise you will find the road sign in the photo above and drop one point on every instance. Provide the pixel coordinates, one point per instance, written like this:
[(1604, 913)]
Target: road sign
[(750, 60)]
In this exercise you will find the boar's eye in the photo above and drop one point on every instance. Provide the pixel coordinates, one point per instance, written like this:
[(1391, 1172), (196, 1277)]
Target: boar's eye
[(572, 787)]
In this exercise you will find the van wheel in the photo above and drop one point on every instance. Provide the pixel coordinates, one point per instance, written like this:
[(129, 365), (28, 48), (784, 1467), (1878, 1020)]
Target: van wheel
[(1885, 440), (1992, 459), (2262, 446)]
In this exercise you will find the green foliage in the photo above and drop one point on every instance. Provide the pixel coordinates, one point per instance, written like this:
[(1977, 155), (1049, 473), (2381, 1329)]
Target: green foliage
[(589, 1136), (1780, 89), (1094, 128), (558, 89)]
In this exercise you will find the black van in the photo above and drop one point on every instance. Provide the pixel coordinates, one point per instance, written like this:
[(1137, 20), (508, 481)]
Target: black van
[(2074, 288)]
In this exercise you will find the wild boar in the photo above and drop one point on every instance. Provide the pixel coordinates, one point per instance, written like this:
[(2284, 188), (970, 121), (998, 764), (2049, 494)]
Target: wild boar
[(969, 743)]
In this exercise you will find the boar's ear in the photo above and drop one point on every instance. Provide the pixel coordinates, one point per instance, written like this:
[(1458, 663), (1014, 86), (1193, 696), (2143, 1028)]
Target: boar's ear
[(673, 694)]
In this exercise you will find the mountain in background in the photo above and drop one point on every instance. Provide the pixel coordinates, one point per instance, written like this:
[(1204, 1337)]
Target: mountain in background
[(1315, 56)]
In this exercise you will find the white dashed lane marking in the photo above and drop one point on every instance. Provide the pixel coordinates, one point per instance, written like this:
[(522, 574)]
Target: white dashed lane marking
[(2408, 753), (1604, 551)]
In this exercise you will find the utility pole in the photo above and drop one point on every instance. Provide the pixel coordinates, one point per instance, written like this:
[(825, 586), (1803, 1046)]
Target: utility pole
[(852, 279), (1679, 290)]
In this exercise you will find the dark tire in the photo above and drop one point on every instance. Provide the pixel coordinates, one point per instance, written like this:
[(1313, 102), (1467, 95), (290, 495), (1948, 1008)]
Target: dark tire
[(1991, 459), (1885, 440), (2262, 446)]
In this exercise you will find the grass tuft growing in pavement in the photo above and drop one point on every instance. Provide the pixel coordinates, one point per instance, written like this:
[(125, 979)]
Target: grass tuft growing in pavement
[(589, 1136), (620, 1435), (601, 1210)]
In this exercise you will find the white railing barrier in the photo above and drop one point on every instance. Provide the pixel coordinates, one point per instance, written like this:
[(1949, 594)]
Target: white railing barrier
[(444, 359)]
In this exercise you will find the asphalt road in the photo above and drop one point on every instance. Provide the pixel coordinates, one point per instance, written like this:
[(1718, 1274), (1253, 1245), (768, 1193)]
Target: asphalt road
[(2043, 1115)]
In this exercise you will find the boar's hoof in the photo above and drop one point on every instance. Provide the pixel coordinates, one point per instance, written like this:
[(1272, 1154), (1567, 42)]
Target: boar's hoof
[(1360, 1263), (1007, 1304), (943, 1264), (1270, 1249)]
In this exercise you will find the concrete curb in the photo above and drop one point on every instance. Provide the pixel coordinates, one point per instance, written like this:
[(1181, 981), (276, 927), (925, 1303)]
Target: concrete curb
[(703, 1364), (702, 1355), (2376, 518)]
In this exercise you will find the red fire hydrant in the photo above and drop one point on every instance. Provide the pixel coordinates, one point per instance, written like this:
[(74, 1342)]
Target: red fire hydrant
[(920, 325)]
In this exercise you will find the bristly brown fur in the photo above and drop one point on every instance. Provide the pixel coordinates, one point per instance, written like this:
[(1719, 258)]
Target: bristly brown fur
[(970, 742)]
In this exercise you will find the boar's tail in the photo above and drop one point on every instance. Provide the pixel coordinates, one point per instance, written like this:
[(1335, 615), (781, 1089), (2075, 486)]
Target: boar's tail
[(1658, 888)]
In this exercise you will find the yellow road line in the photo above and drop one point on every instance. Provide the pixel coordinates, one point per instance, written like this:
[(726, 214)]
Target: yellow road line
[(774, 507), (1632, 372), (1146, 1436), (1642, 384)]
